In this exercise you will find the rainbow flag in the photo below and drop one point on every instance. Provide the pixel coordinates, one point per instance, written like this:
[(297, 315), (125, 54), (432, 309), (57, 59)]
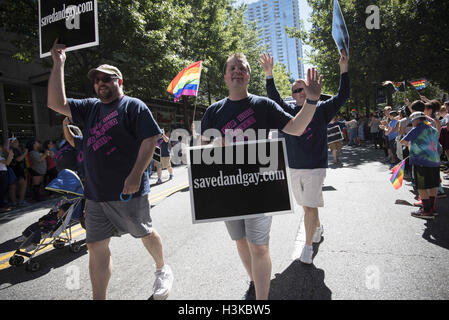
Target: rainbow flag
[(419, 84), (398, 175), (398, 86), (186, 82)]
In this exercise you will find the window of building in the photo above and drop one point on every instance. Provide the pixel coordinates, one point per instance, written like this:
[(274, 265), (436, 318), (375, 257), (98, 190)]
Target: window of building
[(19, 111)]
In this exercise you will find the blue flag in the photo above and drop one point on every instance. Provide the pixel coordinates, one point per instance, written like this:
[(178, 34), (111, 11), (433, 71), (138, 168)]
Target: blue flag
[(339, 30)]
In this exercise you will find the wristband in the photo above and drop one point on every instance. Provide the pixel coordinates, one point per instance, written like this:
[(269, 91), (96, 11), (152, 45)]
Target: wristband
[(311, 101)]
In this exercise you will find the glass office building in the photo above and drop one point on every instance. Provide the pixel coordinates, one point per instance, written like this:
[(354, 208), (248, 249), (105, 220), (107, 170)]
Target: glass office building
[(272, 16)]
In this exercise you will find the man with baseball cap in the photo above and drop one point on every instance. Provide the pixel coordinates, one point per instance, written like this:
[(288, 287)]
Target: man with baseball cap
[(120, 135)]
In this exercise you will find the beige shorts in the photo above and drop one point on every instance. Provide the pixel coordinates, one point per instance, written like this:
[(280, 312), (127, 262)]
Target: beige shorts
[(307, 185), (164, 164), (337, 145)]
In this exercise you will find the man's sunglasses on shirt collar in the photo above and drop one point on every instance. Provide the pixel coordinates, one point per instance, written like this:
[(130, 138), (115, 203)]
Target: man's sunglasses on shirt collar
[(297, 90), (105, 79)]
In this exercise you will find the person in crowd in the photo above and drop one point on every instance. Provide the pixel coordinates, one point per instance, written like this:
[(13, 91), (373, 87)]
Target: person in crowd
[(352, 126), (422, 141), (49, 148), (18, 166), (38, 167), (74, 137), (336, 146), (388, 126), (164, 145), (6, 156), (374, 130), (361, 130), (443, 114), (120, 135), (308, 172)]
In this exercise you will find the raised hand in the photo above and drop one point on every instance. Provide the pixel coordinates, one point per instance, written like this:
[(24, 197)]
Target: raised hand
[(313, 85), (266, 60), (58, 53), (343, 62)]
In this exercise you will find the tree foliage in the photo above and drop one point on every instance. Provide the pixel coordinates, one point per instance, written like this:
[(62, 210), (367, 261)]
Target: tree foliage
[(282, 77), (410, 44), (150, 42)]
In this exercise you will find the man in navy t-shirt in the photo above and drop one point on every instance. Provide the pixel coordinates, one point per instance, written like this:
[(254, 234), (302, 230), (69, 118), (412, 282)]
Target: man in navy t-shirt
[(119, 137), (233, 115), (307, 154)]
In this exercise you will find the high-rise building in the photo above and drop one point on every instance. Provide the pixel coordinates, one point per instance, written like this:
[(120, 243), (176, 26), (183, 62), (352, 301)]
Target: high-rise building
[(272, 16)]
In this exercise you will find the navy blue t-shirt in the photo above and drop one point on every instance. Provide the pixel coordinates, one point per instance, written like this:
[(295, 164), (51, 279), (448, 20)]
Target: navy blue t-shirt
[(80, 156), (252, 112), (309, 151), (165, 150), (112, 134)]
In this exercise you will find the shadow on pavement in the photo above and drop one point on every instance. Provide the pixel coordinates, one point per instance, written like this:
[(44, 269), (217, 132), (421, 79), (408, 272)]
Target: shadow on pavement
[(53, 259), (6, 217), (355, 156), (300, 282), (436, 231), (9, 245)]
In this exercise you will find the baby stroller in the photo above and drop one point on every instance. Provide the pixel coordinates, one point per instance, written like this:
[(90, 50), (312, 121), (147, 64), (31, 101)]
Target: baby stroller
[(70, 186)]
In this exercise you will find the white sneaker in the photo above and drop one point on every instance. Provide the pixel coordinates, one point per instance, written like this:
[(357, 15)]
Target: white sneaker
[(306, 255), (317, 235), (163, 283)]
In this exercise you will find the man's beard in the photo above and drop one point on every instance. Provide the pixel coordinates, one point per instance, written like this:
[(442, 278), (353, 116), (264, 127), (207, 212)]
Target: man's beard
[(104, 94)]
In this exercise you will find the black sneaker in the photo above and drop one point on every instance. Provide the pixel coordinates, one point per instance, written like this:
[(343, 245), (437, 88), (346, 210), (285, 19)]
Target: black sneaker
[(250, 294)]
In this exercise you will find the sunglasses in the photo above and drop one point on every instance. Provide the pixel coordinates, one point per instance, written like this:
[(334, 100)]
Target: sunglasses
[(106, 79), (298, 90)]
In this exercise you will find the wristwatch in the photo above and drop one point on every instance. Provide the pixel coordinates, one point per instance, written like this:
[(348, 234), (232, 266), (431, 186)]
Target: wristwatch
[(311, 101)]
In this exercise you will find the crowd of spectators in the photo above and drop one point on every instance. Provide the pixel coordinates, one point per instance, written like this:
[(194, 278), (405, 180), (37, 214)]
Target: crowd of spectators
[(26, 167)]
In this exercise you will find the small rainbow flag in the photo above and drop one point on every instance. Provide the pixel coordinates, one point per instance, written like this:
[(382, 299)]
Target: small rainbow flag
[(398, 174), (419, 84), (186, 82), (398, 86)]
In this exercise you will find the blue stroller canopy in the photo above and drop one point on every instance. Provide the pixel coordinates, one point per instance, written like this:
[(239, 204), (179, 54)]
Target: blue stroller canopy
[(67, 182)]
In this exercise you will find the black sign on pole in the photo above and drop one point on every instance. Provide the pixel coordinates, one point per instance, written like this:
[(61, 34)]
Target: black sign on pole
[(221, 191), (73, 22), (157, 154), (334, 134)]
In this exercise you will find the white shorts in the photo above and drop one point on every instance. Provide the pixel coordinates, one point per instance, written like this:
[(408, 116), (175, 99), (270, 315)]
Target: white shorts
[(307, 186)]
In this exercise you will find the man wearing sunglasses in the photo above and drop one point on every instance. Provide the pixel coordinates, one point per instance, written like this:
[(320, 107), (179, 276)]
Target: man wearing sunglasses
[(120, 136), (307, 154)]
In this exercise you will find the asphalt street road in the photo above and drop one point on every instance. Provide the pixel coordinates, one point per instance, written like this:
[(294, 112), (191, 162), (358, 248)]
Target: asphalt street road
[(372, 248)]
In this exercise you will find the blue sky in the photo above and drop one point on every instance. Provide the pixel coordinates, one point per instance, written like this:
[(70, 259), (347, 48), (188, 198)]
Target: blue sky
[(304, 14)]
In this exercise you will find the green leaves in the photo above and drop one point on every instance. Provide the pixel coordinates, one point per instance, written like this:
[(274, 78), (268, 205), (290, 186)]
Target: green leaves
[(150, 42), (411, 43)]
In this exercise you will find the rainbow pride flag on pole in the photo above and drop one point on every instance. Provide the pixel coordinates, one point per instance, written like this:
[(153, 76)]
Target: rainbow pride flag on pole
[(398, 174), (419, 84), (187, 82)]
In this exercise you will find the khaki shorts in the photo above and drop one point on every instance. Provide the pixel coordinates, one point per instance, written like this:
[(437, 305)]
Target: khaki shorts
[(307, 186), (164, 164), (337, 145)]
